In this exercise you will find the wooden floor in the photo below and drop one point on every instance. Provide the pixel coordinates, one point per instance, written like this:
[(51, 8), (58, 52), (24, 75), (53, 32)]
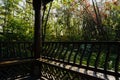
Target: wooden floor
[(54, 63)]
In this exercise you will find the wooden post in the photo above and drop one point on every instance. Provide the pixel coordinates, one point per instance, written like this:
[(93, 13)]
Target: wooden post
[(36, 66), (37, 28)]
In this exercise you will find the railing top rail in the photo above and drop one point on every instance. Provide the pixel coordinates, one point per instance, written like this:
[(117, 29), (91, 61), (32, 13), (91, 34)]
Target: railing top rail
[(65, 41), (89, 42), (15, 41)]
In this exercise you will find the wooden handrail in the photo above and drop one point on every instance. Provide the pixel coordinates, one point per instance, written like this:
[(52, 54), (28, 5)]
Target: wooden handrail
[(103, 57)]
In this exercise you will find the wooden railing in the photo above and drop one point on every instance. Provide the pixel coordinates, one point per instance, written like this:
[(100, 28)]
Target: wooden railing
[(99, 57), (62, 60), (15, 50)]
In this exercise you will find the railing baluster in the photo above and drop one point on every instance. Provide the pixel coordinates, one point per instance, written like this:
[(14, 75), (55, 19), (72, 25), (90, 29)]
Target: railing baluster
[(16, 49), (14, 53), (57, 51), (1, 55), (5, 51), (7, 54), (107, 58), (0, 51), (24, 49), (90, 54), (76, 54), (60, 50), (30, 48), (19, 49), (3, 45), (67, 45), (50, 47), (53, 50), (98, 56), (82, 54), (45, 49), (117, 61), (70, 53)]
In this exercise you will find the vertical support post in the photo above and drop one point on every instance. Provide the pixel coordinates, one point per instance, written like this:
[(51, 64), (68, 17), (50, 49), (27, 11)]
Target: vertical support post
[(36, 66), (37, 28)]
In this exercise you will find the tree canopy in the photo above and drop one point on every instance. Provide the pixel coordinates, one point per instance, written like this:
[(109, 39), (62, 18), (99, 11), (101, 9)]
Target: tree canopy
[(69, 20)]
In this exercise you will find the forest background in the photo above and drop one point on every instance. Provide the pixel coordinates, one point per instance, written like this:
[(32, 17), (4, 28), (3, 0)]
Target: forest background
[(69, 20)]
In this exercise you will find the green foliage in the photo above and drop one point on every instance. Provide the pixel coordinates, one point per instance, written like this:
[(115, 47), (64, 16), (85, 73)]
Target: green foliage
[(69, 20), (16, 20), (74, 20), (17, 30), (113, 21)]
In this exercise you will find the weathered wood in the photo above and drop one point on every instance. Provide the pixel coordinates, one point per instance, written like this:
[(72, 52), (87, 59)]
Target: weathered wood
[(13, 62), (37, 4)]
